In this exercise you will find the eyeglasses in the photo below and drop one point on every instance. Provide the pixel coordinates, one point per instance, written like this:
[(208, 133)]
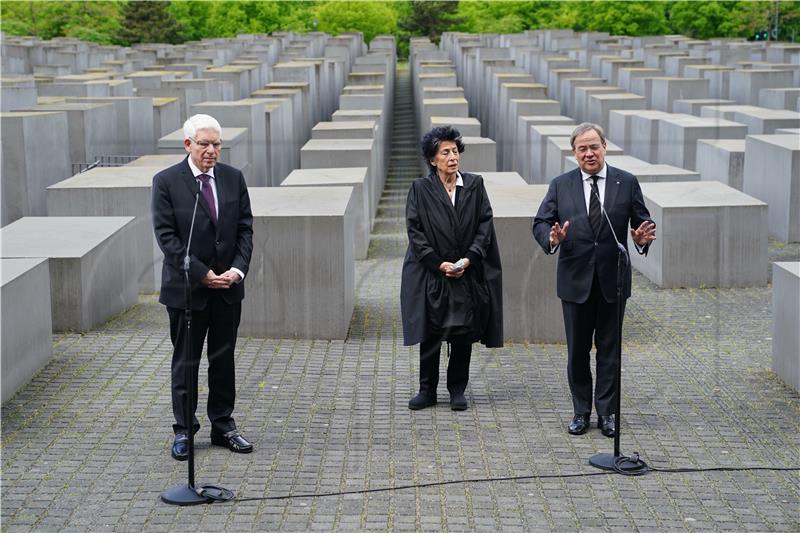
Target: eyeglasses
[(205, 144)]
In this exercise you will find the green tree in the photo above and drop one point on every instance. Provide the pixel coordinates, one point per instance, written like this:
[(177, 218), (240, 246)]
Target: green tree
[(429, 18), (626, 18), (149, 22), (371, 18)]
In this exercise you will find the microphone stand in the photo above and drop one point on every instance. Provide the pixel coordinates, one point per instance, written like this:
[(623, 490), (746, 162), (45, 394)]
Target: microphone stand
[(616, 461), (188, 494)]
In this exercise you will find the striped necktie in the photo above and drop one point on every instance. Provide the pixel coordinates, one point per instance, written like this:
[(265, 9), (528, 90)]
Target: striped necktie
[(595, 216)]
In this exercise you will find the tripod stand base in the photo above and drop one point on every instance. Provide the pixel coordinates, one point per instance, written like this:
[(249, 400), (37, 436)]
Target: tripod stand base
[(609, 461), (183, 495)]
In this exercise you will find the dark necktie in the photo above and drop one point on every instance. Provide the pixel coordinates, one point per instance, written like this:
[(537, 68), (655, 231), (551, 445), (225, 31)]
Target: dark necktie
[(595, 216), (208, 195)]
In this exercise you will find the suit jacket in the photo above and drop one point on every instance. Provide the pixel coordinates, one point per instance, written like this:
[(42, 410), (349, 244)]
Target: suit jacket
[(581, 252), (218, 247)]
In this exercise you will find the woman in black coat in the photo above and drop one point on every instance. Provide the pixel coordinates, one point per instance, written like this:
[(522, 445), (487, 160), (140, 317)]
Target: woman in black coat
[(451, 287)]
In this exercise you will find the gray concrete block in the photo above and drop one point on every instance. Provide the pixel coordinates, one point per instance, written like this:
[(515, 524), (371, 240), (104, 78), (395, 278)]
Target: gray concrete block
[(26, 173), (531, 309), (160, 161), (666, 90), (746, 84), (27, 324), (568, 87), (91, 265), (678, 137), (538, 149), (301, 282), (772, 174), (17, 92), (582, 103), (628, 74), (166, 116), (759, 120), (346, 153), (709, 235), (783, 98), (84, 89), (134, 122), (502, 178), (600, 105), (357, 178), (92, 129), (116, 191), (721, 160), (480, 155), (785, 318), (466, 126), (522, 149), (694, 106)]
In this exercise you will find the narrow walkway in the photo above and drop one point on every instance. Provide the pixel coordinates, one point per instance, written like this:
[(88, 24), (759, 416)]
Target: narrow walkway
[(85, 446)]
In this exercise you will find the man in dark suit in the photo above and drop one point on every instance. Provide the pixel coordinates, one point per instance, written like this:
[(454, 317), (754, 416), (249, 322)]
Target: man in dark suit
[(219, 254), (572, 221)]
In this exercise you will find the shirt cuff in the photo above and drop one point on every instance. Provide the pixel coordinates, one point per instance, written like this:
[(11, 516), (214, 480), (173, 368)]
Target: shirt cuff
[(639, 249), (554, 248), (241, 274)]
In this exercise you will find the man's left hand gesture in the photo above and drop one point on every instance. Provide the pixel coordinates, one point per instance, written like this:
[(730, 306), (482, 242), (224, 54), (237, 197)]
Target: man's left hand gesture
[(644, 234)]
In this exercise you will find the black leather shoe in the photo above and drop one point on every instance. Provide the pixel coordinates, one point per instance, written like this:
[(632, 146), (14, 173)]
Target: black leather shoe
[(180, 448), (607, 425), (421, 401), (233, 441), (458, 402), (579, 425)]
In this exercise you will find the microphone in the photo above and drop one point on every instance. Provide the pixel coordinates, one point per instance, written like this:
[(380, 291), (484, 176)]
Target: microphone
[(191, 231), (620, 247)]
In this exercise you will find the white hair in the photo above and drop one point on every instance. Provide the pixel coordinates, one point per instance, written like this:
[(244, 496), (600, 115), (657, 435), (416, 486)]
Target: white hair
[(200, 122)]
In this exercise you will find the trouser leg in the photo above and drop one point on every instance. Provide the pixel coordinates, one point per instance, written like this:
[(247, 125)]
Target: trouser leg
[(458, 367), (606, 339), (579, 321), (222, 332), (180, 387), (429, 353)]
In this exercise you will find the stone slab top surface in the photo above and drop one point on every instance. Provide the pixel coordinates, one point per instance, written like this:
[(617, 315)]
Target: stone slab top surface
[(286, 85), (370, 88), (228, 135), (232, 103), (559, 130), (637, 166), (14, 114), (477, 140), (523, 85), (468, 121), (793, 267), (617, 96), (515, 201), (156, 160), (325, 176), (60, 237), (12, 268), (697, 194), (788, 131), (789, 142), (443, 101), (162, 101), (299, 201), (349, 125), (689, 121), (338, 144), (111, 178), (76, 106), (503, 178), (729, 145)]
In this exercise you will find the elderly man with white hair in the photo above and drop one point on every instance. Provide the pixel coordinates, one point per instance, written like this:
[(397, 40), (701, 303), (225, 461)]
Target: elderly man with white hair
[(207, 201)]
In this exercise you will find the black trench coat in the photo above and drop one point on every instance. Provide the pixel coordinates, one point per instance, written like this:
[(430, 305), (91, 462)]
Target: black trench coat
[(438, 232)]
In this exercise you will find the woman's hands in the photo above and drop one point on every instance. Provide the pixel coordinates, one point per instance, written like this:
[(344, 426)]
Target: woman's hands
[(454, 270)]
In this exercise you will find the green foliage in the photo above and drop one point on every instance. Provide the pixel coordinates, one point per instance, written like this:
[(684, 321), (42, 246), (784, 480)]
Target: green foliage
[(371, 18), (429, 18), (149, 22), (104, 21)]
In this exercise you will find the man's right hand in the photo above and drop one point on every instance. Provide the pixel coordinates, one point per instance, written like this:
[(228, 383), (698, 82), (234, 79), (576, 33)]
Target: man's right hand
[(212, 281), (558, 233)]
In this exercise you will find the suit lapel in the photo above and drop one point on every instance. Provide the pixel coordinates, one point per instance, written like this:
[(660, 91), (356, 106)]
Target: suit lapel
[(612, 188)]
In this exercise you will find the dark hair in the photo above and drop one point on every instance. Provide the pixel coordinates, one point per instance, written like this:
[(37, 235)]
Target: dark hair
[(430, 142)]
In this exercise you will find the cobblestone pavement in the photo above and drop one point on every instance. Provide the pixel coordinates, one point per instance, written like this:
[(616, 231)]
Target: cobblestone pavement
[(85, 446)]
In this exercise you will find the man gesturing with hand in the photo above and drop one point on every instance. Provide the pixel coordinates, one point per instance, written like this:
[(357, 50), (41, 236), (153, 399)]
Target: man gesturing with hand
[(573, 219)]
